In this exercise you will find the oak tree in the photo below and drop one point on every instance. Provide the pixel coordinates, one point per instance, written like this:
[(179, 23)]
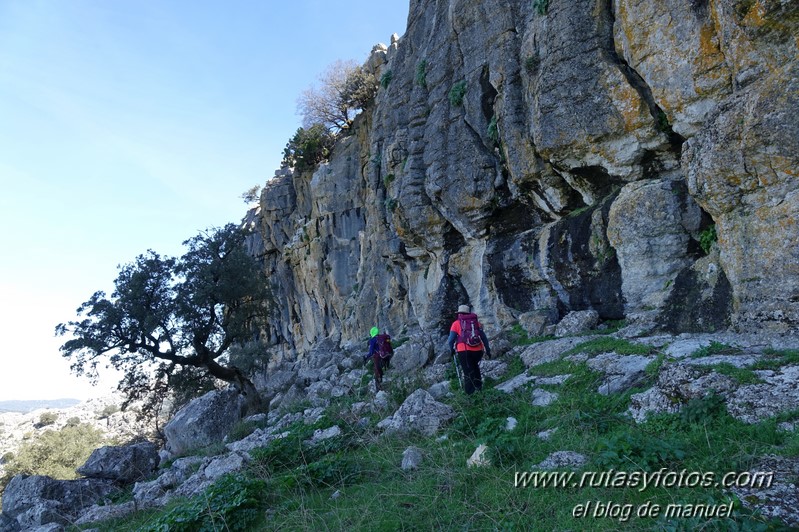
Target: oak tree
[(174, 320)]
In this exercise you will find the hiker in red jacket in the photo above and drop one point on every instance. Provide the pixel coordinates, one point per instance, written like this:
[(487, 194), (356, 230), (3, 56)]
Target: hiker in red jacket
[(466, 337)]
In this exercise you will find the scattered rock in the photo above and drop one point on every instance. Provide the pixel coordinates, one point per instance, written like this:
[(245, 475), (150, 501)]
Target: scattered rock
[(543, 397), (511, 423), (780, 499), (97, 513), (381, 401), (336, 494), (320, 435), (535, 323), (544, 352), (554, 380), (411, 458), (511, 385), (622, 372), (756, 402), (562, 459), (420, 412), (493, 369), (222, 465), (577, 322), (440, 390), (546, 434), (34, 501), (479, 457)]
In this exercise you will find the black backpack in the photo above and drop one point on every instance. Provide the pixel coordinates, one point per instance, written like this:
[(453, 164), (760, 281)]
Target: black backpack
[(470, 330), (383, 347)]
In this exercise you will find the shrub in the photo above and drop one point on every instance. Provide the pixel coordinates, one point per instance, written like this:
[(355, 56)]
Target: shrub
[(386, 78), (232, 503), (541, 6), (635, 450), (493, 130), (56, 453), (421, 73), (47, 419), (456, 94), (308, 147), (707, 238)]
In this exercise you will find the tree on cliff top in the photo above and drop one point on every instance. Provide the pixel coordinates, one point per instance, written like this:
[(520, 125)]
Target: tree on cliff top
[(171, 321), (345, 89)]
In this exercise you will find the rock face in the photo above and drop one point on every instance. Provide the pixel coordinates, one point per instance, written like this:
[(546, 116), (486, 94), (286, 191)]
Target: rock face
[(595, 149)]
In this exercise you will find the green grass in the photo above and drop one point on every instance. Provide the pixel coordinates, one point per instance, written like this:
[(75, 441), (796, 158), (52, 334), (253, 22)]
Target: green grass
[(518, 336), (611, 345), (776, 358), (715, 348), (288, 485)]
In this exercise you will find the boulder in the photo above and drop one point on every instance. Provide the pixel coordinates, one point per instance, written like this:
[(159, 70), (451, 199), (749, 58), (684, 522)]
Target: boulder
[(411, 356), (577, 322), (122, 464), (622, 372), (420, 412), (33, 501), (204, 421)]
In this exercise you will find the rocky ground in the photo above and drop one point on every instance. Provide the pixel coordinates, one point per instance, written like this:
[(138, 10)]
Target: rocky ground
[(754, 377), (102, 413)]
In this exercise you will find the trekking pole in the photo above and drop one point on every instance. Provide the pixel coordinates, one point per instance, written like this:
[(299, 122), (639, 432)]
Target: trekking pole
[(458, 370)]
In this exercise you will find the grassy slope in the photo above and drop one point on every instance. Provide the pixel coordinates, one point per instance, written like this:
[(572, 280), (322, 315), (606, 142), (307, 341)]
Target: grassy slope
[(289, 486)]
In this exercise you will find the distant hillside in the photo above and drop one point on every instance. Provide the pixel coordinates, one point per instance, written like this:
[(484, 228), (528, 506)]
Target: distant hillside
[(29, 406)]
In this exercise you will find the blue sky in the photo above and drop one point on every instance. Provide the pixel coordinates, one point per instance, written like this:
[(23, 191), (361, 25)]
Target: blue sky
[(130, 125)]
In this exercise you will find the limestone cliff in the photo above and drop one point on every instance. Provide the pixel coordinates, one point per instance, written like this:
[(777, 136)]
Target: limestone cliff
[(595, 149)]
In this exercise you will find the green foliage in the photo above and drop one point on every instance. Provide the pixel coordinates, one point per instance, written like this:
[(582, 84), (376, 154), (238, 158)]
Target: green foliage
[(518, 336), (170, 320), (663, 124), (252, 194), (391, 204), (707, 238), (493, 131), (635, 451), (386, 78), (541, 6), (456, 94), (107, 411), (47, 419), (714, 348), (421, 73), (531, 64), (619, 346), (308, 147), (242, 429), (701, 409), (233, 503), (388, 180), (742, 375), (55, 453), (777, 358)]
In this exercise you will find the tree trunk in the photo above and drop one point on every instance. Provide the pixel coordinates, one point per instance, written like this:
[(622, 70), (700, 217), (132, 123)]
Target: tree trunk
[(255, 403)]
